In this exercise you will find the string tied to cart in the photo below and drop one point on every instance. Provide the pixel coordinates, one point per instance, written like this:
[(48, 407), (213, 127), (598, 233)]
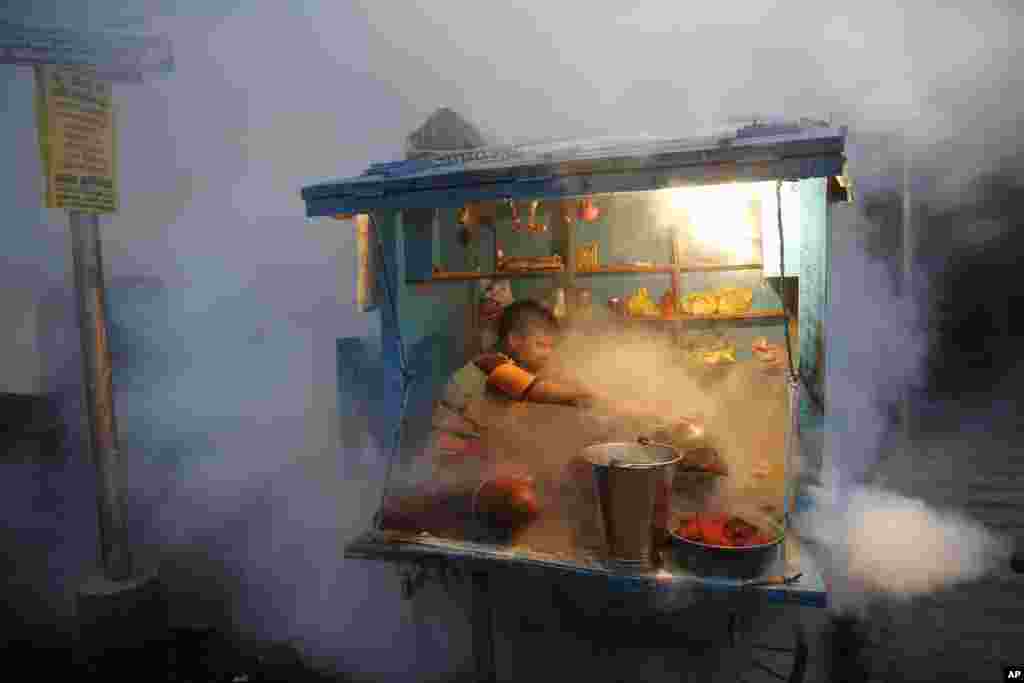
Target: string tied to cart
[(796, 377)]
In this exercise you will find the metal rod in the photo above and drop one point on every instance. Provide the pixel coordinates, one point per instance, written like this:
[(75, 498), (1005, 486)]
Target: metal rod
[(482, 617), (908, 272), (115, 554), (404, 372)]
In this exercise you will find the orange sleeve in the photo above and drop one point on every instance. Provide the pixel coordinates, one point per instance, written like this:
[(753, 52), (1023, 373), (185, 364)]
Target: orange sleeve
[(504, 376), (511, 380)]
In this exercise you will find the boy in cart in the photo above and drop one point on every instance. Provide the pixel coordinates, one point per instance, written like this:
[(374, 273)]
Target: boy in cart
[(513, 370), (504, 493)]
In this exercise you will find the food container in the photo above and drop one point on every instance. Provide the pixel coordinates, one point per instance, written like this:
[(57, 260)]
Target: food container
[(735, 300), (629, 479), (700, 304), (555, 301), (581, 303), (748, 562), (686, 435), (710, 356), (588, 256)]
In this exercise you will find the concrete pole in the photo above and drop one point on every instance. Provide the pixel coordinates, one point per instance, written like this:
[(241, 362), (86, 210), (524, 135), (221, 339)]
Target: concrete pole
[(115, 555)]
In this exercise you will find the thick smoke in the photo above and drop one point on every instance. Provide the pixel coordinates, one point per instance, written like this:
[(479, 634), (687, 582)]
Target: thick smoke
[(341, 87), (904, 547), (883, 539), (883, 546)]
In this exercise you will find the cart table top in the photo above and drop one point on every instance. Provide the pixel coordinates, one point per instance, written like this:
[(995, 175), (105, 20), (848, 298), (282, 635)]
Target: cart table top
[(810, 590)]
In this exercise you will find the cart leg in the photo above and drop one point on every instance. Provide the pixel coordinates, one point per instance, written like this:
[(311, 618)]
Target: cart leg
[(483, 627)]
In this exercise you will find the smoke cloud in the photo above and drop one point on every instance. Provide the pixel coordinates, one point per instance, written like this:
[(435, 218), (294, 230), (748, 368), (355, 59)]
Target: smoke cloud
[(247, 404), (884, 546)]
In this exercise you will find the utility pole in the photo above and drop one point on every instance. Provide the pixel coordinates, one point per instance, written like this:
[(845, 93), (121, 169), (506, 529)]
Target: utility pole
[(85, 186), (122, 607), (115, 550)]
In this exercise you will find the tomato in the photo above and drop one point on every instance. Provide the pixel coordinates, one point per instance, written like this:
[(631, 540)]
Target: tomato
[(508, 501), (690, 530), (723, 530), (739, 532), (713, 530)]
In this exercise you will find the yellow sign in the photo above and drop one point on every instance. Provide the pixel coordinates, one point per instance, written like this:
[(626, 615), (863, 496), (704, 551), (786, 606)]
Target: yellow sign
[(76, 139)]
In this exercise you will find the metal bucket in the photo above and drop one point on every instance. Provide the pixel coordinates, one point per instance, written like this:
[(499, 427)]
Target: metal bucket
[(628, 479)]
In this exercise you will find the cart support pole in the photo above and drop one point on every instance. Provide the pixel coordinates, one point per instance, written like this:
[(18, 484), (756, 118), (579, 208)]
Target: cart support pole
[(909, 246), (115, 556), (483, 626)]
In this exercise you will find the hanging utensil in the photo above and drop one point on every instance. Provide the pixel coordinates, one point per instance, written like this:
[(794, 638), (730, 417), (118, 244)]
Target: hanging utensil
[(517, 224), (587, 211), (532, 224), (467, 226)]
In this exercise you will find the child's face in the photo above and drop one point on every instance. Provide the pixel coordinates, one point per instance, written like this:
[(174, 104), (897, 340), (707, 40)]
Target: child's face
[(532, 350)]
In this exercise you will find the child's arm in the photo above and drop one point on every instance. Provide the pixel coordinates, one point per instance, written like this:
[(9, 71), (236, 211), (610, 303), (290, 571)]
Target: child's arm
[(515, 382), (547, 391)]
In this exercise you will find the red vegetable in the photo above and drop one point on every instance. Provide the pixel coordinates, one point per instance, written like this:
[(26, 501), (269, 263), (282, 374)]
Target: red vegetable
[(723, 530), (691, 530), (713, 530), (508, 501)]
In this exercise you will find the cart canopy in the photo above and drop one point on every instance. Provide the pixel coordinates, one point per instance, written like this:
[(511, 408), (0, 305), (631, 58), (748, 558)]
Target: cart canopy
[(567, 168)]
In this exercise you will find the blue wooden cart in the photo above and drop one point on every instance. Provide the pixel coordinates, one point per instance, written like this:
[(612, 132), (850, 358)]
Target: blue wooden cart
[(426, 288)]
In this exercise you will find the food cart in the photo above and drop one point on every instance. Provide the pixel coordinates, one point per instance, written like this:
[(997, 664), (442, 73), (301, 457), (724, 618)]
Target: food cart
[(715, 249)]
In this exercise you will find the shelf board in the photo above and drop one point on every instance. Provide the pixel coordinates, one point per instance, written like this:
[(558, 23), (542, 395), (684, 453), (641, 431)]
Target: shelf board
[(749, 315), (625, 268), (715, 269), (665, 268), (442, 276)]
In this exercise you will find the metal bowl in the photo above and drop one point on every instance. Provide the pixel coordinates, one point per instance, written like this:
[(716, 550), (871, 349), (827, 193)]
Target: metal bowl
[(747, 562), (635, 455)]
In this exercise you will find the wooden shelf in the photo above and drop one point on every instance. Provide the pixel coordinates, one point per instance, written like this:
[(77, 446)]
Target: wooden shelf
[(625, 268), (443, 276), (749, 315), (602, 270), (715, 269), (665, 268)]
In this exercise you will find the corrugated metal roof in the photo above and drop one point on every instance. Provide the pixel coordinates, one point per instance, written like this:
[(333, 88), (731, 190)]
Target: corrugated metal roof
[(590, 166)]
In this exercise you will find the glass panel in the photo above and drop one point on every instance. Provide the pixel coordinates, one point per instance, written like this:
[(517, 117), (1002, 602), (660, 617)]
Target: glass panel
[(476, 463)]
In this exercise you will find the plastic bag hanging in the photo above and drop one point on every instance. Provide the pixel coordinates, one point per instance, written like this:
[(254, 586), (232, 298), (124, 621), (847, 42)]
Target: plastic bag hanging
[(443, 132)]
